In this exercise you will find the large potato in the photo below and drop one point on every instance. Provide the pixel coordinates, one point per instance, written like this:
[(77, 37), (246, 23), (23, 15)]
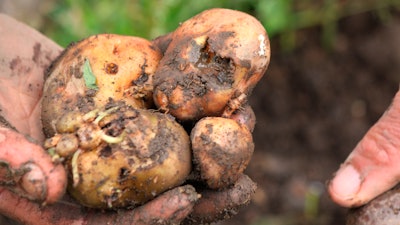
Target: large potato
[(97, 70), (211, 63), (138, 154)]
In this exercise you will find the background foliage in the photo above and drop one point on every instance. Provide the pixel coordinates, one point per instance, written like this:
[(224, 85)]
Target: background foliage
[(72, 20)]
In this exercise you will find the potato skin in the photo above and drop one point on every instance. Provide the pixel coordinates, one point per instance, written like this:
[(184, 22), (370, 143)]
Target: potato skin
[(207, 67), (222, 149), (246, 116), (153, 157), (384, 209), (122, 65), (211, 59)]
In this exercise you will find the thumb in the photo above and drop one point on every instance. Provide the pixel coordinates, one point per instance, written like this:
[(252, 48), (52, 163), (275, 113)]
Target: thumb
[(27, 170), (374, 165)]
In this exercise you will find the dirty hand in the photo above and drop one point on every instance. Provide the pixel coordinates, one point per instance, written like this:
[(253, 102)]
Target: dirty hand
[(373, 166), (32, 188)]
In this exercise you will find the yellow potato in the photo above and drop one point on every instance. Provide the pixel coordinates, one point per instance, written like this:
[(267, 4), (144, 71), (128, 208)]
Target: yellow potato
[(135, 155), (98, 70)]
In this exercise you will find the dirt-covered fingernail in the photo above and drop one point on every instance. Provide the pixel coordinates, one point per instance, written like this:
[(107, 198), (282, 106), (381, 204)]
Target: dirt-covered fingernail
[(33, 182), (346, 183)]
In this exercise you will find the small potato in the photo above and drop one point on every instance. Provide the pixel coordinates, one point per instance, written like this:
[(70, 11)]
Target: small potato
[(67, 145), (96, 71), (138, 155), (222, 149), (210, 65), (245, 115)]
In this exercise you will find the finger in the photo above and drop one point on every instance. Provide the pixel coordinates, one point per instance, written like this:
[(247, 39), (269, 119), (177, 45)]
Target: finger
[(31, 213), (27, 170), (24, 56), (169, 208), (218, 205), (373, 166)]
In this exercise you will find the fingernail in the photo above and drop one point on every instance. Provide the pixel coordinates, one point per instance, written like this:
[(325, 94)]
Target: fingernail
[(346, 183), (33, 182)]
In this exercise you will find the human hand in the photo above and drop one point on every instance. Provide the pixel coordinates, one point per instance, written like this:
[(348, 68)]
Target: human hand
[(373, 166), (27, 172)]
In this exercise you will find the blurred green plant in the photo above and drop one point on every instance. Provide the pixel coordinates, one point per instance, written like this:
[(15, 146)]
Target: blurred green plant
[(72, 20)]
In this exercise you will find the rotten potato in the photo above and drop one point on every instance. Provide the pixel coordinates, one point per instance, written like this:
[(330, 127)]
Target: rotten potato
[(211, 64), (222, 149), (133, 156), (99, 68)]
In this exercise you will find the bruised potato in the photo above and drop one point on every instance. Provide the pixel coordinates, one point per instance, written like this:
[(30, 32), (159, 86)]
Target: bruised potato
[(222, 149), (210, 65), (128, 157), (96, 70)]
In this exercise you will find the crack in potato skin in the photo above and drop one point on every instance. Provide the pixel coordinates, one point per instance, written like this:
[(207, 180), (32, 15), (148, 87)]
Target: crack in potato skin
[(210, 61)]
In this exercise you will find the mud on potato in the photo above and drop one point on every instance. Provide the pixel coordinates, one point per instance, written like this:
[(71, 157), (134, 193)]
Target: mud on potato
[(114, 108)]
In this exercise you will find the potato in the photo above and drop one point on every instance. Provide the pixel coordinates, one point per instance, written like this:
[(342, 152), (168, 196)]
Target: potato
[(210, 65), (246, 116), (138, 154), (382, 210), (119, 153), (97, 70), (222, 149)]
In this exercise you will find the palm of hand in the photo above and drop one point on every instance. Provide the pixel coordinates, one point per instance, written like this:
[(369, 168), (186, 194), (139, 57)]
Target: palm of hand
[(22, 65)]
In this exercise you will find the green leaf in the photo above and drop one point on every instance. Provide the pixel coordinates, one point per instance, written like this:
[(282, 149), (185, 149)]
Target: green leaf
[(88, 76), (276, 16)]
